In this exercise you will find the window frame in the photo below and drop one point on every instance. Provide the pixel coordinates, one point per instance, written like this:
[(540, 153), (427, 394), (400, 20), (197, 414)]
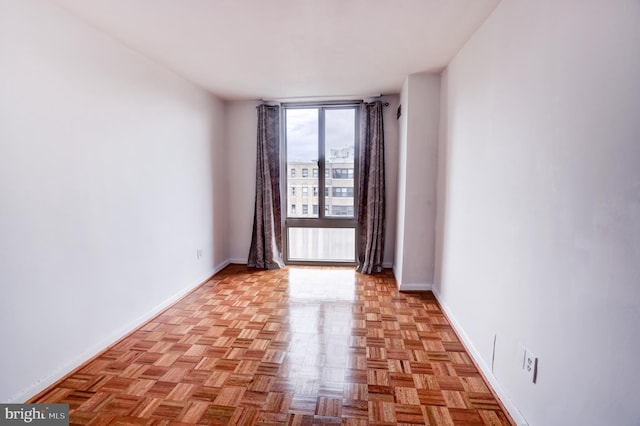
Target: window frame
[(324, 220)]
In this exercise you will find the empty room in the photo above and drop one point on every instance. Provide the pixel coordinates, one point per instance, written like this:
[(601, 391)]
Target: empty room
[(357, 212)]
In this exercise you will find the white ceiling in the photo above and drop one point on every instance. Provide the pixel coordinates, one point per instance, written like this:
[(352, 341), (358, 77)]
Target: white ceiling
[(252, 49)]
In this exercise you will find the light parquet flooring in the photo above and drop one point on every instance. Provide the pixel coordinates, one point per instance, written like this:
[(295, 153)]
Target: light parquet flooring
[(296, 346)]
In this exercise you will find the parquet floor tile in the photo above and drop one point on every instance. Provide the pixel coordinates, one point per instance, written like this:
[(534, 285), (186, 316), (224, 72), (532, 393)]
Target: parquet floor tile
[(296, 346)]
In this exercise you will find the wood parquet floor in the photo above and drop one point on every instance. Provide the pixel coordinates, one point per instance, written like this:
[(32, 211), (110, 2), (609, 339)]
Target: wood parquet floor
[(295, 346)]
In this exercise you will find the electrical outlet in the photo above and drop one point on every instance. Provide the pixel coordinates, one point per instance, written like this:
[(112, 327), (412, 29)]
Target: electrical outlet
[(530, 365)]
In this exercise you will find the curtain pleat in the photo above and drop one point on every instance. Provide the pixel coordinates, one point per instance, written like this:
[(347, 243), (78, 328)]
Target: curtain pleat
[(371, 203), (266, 240)]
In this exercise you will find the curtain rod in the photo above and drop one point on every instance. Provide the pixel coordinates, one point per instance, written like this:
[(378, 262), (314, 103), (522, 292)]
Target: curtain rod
[(322, 98), (316, 98)]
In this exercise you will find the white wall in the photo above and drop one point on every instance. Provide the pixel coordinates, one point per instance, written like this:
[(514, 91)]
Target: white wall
[(542, 218), (401, 199), (441, 180), (112, 175), (242, 124), (417, 171)]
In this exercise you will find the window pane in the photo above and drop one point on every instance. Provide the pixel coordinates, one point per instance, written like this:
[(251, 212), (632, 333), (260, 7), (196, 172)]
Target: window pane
[(302, 155), (326, 244), (340, 134)]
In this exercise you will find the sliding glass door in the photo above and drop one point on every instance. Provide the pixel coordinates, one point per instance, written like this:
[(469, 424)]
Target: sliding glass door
[(321, 147)]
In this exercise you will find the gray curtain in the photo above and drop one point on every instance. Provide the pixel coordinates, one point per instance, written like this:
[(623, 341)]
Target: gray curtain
[(266, 241), (371, 207)]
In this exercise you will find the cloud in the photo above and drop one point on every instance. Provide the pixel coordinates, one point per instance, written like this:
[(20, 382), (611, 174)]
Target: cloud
[(339, 128), (302, 132)]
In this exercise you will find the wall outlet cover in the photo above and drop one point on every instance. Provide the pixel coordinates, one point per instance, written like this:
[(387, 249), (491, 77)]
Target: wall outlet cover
[(530, 365)]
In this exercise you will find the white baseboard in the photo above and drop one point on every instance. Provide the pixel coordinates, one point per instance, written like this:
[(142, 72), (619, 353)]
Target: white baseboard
[(486, 369), (112, 338), (219, 267), (415, 286)]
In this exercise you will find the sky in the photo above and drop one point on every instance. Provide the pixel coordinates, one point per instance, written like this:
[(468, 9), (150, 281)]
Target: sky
[(302, 132)]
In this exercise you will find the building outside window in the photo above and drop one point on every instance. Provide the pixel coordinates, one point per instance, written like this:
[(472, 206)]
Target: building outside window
[(305, 172), (342, 173), (343, 210), (342, 191)]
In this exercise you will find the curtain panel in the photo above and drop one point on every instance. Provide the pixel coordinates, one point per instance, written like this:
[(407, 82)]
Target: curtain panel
[(371, 203), (266, 240)]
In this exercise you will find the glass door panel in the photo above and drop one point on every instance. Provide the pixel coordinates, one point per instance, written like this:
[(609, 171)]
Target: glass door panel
[(302, 162), (320, 147), (340, 134), (322, 244)]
